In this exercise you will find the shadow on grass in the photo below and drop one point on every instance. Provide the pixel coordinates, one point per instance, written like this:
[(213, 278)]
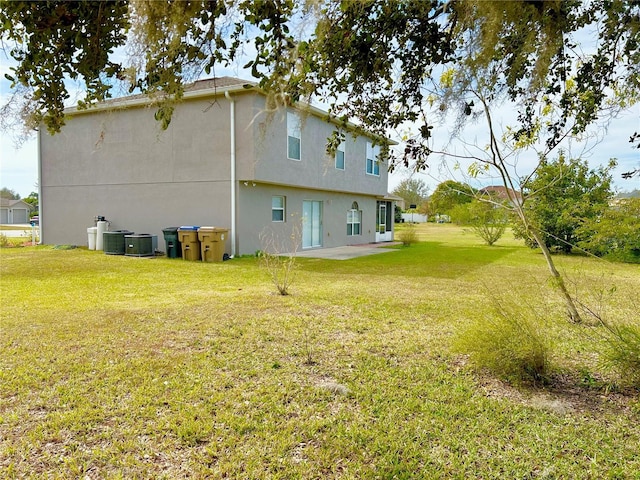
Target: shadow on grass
[(424, 259)]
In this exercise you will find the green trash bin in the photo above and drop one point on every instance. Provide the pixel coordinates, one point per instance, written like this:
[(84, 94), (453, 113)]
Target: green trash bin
[(188, 237), (174, 249), (212, 242)]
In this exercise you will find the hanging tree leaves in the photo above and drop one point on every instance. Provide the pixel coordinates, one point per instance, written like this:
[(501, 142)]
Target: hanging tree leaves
[(57, 41), (372, 60)]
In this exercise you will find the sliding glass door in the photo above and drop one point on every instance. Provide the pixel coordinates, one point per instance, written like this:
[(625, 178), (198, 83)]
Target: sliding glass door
[(311, 224)]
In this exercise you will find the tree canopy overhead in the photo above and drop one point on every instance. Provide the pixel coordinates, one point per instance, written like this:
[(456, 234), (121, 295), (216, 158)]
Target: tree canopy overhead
[(161, 46), (375, 61), (53, 42)]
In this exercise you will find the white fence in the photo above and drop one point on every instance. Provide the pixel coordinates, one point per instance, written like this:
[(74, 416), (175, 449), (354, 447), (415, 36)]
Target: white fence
[(414, 218)]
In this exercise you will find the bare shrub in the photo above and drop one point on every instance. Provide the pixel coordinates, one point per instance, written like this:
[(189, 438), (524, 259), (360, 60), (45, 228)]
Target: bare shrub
[(278, 256)]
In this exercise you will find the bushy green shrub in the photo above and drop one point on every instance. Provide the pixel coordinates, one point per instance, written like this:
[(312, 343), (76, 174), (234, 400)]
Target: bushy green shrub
[(615, 234), (488, 220), (562, 195), (508, 344)]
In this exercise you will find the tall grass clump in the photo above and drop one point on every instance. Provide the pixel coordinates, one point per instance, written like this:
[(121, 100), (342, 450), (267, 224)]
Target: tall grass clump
[(621, 352), (408, 235), (617, 341), (508, 343)]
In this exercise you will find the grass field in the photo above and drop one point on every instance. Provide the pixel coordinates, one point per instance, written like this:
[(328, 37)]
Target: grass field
[(123, 367)]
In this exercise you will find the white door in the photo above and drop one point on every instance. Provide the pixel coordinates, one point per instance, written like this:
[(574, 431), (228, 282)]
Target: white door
[(311, 224), (383, 233)]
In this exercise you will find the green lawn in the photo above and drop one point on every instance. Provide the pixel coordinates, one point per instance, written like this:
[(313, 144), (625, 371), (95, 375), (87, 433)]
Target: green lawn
[(122, 367)]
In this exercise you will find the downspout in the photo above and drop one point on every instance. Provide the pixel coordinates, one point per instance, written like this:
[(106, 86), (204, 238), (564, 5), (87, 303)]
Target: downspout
[(232, 120), (40, 216)]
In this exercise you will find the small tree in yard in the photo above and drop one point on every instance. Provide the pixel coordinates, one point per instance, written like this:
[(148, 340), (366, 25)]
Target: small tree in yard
[(488, 221), (412, 190)]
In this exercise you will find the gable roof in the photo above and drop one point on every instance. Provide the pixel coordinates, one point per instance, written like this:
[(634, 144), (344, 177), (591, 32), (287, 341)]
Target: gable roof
[(218, 82), (12, 203), (200, 88)]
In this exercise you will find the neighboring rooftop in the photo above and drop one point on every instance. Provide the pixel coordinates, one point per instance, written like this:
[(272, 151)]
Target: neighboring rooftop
[(7, 202), (501, 192)]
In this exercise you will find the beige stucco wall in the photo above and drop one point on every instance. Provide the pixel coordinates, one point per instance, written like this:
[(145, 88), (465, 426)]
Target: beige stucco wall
[(121, 165), (316, 169), (254, 216)]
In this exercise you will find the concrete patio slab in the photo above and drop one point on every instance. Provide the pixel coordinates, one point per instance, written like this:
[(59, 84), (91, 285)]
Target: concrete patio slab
[(347, 252)]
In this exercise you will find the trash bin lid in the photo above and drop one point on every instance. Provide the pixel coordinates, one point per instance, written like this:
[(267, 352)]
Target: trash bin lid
[(207, 229), (188, 227), (170, 230)]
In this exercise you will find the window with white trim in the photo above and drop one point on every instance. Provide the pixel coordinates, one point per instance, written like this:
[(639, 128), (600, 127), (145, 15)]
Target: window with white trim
[(340, 156), (354, 220), (373, 164), (277, 208), (293, 136)]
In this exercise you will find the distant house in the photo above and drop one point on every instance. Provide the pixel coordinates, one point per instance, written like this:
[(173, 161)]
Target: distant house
[(224, 161), (501, 193), (14, 212)]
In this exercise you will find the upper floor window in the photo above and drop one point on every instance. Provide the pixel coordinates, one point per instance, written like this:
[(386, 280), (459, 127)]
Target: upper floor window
[(277, 208), (340, 156), (373, 164), (293, 136)]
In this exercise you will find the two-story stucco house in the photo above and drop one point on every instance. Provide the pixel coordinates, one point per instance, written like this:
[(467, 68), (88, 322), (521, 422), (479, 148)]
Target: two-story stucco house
[(222, 162)]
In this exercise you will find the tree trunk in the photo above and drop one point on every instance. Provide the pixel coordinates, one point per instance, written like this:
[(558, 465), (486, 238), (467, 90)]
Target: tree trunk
[(572, 311)]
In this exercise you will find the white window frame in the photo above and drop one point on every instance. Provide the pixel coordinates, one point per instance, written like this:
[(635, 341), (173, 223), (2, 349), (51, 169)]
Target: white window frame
[(341, 150), (275, 208), (354, 218), (294, 130), (372, 162)]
